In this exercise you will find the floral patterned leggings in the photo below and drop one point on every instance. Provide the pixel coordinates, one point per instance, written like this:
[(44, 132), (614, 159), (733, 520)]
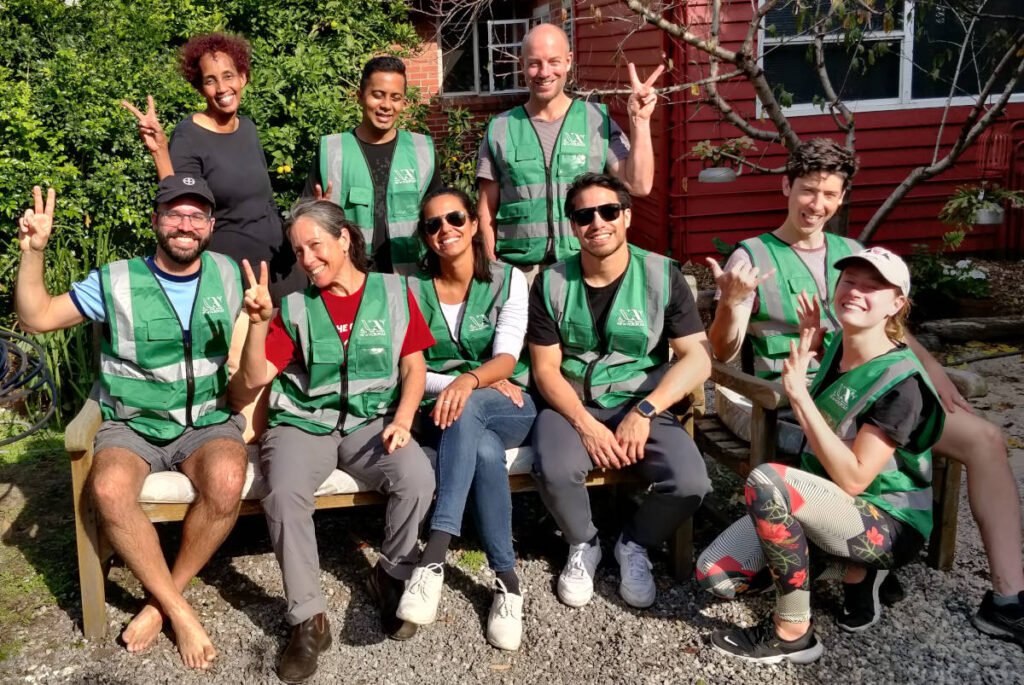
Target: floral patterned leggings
[(790, 510)]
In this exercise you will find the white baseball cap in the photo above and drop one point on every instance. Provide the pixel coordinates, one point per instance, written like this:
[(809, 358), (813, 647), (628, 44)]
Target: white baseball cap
[(893, 269)]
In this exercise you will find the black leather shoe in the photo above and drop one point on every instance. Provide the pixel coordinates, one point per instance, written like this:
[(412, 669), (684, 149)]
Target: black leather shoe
[(386, 592), (309, 639)]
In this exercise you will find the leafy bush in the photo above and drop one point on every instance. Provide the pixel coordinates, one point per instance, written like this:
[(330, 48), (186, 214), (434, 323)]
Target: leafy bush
[(65, 67), (938, 283), (457, 150)]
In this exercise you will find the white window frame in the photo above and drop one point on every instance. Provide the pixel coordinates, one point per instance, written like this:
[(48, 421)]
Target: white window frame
[(476, 60), (502, 49), (905, 101)]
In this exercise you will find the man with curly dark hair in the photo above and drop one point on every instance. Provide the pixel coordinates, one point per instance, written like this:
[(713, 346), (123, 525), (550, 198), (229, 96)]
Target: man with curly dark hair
[(757, 294)]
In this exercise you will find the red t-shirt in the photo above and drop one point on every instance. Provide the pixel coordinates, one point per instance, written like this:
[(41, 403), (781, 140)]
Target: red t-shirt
[(342, 310)]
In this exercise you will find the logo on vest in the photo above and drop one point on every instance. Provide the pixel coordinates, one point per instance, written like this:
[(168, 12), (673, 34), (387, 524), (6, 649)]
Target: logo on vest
[(403, 176), (213, 305), (478, 322), (573, 139), (842, 396), (630, 317), (373, 328)]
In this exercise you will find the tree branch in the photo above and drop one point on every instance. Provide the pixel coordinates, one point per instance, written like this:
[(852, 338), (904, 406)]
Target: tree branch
[(660, 91)]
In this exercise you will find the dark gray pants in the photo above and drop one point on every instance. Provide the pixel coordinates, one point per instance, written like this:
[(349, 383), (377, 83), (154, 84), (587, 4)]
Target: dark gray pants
[(295, 463), (672, 465)]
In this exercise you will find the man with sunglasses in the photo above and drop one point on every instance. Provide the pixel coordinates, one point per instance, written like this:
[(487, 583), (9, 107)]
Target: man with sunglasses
[(601, 326), (532, 153), (163, 380), (756, 318)]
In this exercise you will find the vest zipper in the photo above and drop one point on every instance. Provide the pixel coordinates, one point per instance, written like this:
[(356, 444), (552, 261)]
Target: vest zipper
[(588, 391), (550, 249), (457, 337), (186, 340), (373, 182)]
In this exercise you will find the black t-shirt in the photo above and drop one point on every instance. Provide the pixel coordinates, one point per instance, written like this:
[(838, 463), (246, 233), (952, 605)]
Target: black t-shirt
[(681, 317), (898, 413), (248, 224), (378, 160)]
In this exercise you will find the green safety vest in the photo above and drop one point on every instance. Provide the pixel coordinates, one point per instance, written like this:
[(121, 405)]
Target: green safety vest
[(530, 224), (343, 165), (332, 386), (472, 345), (628, 364), (776, 323), (153, 376), (903, 488)]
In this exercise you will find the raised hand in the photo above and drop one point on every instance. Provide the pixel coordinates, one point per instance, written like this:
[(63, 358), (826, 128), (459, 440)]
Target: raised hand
[(35, 225), (150, 130), (321, 194), (737, 283), (257, 301), (794, 369), (808, 311), (643, 98)]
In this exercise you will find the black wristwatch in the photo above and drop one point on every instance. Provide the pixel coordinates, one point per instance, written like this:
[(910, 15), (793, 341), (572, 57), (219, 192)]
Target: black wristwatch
[(646, 409)]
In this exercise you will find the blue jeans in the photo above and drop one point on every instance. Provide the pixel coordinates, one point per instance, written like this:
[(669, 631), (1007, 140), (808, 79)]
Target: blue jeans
[(471, 456)]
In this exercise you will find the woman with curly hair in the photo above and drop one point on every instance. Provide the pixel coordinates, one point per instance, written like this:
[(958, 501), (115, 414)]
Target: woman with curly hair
[(222, 147), (862, 493)]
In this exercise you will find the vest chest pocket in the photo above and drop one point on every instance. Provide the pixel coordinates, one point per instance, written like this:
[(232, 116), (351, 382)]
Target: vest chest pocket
[(404, 204), (163, 329), (512, 212), (802, 284), (370, 358), (579, 337), (527, 165), (570, 165), (629, 343), (323, 360)]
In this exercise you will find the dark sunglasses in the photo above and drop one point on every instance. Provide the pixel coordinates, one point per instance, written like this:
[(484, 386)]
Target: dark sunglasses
[(433, 224), (585, 216)]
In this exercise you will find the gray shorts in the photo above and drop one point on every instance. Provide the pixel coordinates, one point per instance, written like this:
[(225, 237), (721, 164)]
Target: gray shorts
[(169, 456)]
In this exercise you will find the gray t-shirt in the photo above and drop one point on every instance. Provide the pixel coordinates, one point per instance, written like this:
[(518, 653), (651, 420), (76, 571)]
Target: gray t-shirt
[(547, 131), (814, 259)]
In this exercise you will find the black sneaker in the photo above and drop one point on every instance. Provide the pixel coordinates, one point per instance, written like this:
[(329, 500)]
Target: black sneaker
[(762, 645), (1005, 622), (891, 591), (862, 607), (387, 592)]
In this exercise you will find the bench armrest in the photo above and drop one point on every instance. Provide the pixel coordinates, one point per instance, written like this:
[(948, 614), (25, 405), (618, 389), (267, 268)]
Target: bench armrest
[(766, 394), (79, 434)]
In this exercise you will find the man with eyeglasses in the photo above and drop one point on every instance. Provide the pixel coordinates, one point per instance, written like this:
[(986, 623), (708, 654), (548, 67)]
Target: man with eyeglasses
[(601, 326), (163, 380), (532, 153)]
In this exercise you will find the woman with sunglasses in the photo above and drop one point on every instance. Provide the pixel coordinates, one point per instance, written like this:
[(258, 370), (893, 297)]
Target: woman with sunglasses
[(477, 407), (345, 357), (223, 147), (863, 490)]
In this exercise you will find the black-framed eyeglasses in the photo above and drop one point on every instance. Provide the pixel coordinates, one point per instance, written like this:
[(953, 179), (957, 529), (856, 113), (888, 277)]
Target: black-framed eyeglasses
[(174, 219), (433, 224), (585, 216)]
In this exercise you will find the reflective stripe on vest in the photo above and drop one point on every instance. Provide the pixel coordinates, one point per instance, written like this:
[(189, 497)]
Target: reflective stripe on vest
[(152, 375), (903, 487), (633, 356), (776, 323), (328, 385), (343, 165), (530, 223), (473, 344)]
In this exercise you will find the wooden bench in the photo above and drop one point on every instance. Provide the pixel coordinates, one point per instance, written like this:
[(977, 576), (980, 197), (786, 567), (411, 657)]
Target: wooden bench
[(767, 398)]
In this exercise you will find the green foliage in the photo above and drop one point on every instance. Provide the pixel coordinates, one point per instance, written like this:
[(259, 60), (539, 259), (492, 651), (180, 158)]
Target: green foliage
[(966, 200), (457, 150), (729, 153), (64, 69), (938, 282)]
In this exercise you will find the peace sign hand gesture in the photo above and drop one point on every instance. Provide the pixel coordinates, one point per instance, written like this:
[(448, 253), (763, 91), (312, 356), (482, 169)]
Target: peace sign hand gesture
[(794, 369), (808, 311), (642, 99), (150, 130), (257, 301), (35, 225)]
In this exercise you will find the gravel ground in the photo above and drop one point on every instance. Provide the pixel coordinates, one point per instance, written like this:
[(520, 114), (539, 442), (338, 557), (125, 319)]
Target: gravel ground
[(925, 638)]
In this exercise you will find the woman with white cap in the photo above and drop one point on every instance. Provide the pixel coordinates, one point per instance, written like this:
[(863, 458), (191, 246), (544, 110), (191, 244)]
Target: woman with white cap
[(863, 489)]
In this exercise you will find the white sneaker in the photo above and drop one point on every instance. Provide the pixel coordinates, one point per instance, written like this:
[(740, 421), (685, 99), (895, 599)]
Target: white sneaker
[(422, 595), (636, 584), (576, 584), (505, 622)]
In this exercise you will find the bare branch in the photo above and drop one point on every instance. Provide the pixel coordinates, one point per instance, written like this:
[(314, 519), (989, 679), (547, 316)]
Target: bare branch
[(681, 32), (755, 167), (586, 93)]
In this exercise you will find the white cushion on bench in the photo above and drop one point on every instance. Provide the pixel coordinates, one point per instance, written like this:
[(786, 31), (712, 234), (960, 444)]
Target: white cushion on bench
[(172, 487)]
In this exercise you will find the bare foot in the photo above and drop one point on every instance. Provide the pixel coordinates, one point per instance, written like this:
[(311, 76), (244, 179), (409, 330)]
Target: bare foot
[(143, 629), (194, 645)]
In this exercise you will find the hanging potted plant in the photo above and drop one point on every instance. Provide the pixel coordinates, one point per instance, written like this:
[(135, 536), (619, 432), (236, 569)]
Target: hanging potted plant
[(978, 204), (722, 163)]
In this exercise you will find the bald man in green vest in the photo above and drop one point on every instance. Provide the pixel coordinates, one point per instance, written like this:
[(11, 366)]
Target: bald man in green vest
[(532, 153)]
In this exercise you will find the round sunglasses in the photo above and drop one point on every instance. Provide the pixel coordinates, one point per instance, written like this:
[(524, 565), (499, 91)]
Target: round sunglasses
[(433, 224), (585, 216)]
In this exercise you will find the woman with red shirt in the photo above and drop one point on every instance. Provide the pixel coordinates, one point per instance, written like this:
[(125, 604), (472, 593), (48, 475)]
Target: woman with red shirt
[(345, 357)]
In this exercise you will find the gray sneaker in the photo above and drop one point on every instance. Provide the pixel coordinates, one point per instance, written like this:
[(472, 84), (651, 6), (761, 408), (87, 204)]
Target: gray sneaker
[(636, 584)]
